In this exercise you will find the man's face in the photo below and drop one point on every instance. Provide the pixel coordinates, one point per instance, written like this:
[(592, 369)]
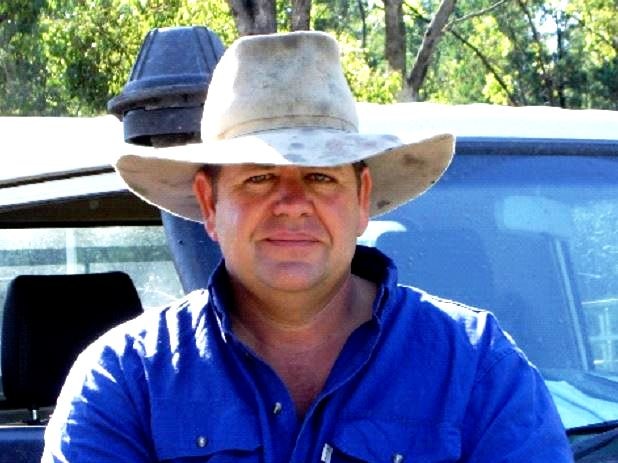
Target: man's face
[(285, 228)]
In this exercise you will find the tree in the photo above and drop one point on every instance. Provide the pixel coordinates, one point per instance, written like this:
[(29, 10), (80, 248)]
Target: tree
[(434, 32), (70, 57), (395, 35), (22, 80), (301, 14), (593, 50), (254, 16), (262, 16), (61, 57), (470, 44)]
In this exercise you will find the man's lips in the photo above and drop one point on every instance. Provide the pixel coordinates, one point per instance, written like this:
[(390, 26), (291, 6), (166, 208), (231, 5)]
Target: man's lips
[(291, 239)]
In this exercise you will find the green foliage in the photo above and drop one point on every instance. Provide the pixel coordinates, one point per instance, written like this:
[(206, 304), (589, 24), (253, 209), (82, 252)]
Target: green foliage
[(371, 84), (71, 56), (570, 61), (365, 68)]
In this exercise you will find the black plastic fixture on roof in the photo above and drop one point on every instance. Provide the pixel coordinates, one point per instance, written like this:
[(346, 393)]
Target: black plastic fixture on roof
[(163, 100), (162, 105)]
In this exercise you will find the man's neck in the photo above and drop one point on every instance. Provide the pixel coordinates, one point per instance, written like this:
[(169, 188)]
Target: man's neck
[(302, 318), (302, 337)]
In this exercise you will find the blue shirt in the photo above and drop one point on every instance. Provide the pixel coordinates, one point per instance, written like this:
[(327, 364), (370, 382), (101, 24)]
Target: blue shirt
[(425, 380)]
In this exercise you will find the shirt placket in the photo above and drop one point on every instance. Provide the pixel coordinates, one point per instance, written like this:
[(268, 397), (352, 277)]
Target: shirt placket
[(312, 439), (273, 404), (285, 438), (275, 408)]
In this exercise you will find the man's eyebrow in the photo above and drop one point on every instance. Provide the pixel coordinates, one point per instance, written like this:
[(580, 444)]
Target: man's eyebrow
[(328, 168), (270, 167), (249, 167)]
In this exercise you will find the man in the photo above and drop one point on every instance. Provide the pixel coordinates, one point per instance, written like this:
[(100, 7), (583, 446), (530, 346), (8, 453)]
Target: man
[(303, 348)]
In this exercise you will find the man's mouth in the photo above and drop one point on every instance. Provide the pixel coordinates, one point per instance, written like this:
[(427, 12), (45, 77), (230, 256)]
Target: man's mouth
[(291, 239)]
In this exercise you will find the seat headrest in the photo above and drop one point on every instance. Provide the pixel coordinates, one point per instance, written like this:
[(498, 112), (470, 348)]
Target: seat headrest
[(49, 320)]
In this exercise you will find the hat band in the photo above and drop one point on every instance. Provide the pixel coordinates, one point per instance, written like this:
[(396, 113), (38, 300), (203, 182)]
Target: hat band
[(287, 122)]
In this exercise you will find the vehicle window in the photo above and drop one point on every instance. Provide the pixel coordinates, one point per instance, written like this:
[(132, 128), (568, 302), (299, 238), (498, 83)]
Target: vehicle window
[(141, 251), (595, 254), (533, 239)]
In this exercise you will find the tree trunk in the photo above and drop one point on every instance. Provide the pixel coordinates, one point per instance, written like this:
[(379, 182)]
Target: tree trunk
[(300, 15), (254, 16), (395, 36), (559, 63), (546, 76), (433, 34), (363, 16)]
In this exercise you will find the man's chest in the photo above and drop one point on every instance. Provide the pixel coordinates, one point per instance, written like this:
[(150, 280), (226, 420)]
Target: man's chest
[(334, 430), (304, 374), (359, 409)]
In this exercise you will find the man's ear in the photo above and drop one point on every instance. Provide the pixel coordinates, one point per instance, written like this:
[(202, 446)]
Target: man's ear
[(204, 194), (364, 197)]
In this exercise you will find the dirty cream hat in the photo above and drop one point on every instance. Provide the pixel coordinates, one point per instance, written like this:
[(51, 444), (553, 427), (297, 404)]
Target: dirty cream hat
[(282, 99)]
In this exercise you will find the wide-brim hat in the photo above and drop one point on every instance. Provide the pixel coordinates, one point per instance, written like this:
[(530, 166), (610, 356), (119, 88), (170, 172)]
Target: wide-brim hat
[(282, 99)]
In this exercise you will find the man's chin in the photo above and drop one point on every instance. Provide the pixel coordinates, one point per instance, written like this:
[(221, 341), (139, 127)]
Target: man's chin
[(291, 276)]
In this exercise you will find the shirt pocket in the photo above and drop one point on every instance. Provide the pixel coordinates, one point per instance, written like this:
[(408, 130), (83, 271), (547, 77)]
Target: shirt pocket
[(193, 432), (377, 441)]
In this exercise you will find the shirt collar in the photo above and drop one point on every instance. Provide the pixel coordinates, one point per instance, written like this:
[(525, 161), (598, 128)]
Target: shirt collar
[(368, 263), (372, 264)]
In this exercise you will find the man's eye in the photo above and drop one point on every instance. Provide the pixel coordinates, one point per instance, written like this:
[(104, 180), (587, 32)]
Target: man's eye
[(320, 178), (259, 178)]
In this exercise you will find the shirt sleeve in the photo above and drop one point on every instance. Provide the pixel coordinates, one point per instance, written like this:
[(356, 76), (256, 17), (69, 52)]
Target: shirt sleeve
[(101, 414), (511, 417)]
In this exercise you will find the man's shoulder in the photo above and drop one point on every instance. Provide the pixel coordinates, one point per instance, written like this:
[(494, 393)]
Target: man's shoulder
[(145, 332), (473, 328), (189, 306), (434, 306)]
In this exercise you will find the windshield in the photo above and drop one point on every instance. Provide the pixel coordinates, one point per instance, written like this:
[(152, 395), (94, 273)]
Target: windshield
[(533, 239)]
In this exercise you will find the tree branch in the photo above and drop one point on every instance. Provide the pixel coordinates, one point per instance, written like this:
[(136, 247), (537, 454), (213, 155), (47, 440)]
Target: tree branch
[(519, 85), (611, 42), (476, 13), (433, 34), (547, 80), (488, 66), (415, 12), (514, 101), (363, 15)]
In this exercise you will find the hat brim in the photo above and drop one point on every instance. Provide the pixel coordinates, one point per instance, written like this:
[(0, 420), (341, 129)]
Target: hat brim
[(400, 170)]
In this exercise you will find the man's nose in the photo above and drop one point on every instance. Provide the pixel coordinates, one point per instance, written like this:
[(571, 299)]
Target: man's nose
[(292, 198)]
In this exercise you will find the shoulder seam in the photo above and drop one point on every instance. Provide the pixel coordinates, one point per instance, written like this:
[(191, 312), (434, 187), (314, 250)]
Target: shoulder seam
[(499, 357)]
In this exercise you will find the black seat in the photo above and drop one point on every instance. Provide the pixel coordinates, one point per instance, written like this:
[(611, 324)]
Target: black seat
[(48, 321)]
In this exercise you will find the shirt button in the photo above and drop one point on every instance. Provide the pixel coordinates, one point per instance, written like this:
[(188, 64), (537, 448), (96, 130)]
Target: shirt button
[(277, 408), (201, 441), (398, 458)]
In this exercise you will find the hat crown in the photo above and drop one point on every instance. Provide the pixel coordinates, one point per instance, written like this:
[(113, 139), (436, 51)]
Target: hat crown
[(275, 81)]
